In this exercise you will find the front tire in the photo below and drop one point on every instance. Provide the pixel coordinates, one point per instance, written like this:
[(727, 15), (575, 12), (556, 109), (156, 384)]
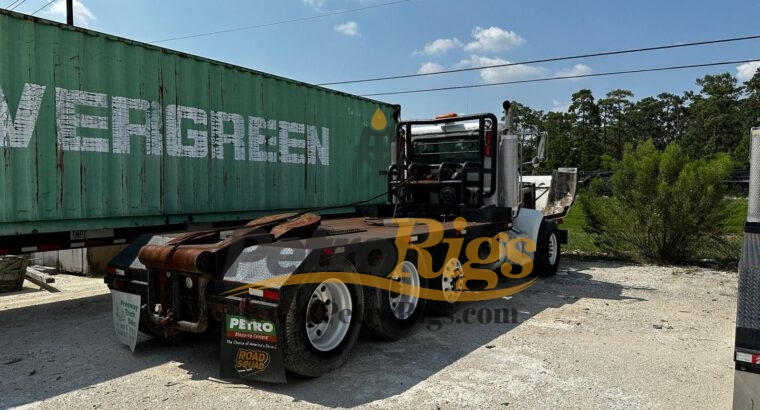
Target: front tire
[(548, 250)]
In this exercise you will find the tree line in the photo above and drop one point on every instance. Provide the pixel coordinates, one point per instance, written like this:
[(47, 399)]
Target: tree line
[(714, 120)]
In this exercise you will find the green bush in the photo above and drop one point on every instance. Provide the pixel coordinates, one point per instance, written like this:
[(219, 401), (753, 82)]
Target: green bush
[(662, 207)]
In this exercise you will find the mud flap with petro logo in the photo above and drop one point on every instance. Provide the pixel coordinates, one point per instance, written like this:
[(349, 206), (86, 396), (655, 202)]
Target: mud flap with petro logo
[(251, 350)]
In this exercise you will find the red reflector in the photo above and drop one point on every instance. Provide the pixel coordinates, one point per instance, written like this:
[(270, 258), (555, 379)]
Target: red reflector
[(489, 139), (507, 226), (560, 221), (111, 270), (328, 252), (271, 294), (4, 251), (747, 358), (43, 248)]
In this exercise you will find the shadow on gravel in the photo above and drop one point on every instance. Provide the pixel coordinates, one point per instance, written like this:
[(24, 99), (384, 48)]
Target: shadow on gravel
[(60, 347), (23, 291)]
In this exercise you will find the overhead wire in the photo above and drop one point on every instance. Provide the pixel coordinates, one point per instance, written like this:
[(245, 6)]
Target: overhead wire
[(564, 77), (295, 20), (12, 5), (548, 60), (43, 7), (18, 5)]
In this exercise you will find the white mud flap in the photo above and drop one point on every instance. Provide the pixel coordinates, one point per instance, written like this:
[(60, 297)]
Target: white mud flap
[(746, 393), (126, 317)]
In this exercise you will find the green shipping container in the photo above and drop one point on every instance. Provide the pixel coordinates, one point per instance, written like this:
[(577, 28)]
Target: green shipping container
[(101, 132)]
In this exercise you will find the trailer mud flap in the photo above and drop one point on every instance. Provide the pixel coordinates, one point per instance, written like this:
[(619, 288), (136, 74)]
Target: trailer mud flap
[(746, 395), (251, 350), (126, 317)]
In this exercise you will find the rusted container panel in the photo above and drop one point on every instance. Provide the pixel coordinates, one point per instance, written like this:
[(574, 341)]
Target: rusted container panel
[(102, 132)]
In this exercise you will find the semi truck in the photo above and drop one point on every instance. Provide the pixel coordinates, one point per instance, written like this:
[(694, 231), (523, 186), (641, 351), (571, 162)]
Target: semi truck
[(292, 291), (284, 215)]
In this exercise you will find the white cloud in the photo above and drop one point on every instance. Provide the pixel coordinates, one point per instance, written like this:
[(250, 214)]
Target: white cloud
[(559, 106), (317, 4), (427, 68), (82, 15), (440, 46), (578, 69), (500, 74), (493, 39), (350, 28), (745, 71)]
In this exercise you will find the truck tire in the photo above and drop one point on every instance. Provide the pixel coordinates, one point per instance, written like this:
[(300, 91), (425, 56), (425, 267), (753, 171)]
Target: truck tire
[(547, 250), (447, 282), (322, 324), (393, 316)]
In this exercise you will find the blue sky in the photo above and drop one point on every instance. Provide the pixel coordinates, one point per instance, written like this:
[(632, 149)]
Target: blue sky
[(401, 39)]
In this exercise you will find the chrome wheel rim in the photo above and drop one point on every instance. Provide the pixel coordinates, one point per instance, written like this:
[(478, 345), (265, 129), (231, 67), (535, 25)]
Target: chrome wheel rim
[(452, 272), (553, 249), (403, 306), (326, 324)]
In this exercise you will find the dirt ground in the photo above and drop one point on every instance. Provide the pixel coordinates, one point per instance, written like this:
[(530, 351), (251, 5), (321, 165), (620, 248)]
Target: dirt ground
[(599, 335)]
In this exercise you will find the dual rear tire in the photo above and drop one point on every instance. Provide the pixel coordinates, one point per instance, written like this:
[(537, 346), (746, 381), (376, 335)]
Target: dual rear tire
[(321, 325), (394, 315), (323, 321)]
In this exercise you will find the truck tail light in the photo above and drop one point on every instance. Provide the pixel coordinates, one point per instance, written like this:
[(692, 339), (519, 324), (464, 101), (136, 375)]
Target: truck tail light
[(113, 271), (268, 294), (272, 295)]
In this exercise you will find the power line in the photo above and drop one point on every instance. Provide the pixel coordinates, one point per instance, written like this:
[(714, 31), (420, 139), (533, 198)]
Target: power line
[(17, 4), (9, 7), (335, 13), (548, 60), (565, 77), (43, 7)]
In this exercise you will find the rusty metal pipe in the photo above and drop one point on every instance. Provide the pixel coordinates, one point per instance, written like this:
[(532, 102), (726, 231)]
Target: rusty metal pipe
[(190, 327)]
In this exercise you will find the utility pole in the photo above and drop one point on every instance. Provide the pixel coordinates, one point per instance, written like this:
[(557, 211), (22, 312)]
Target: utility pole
[(70, 12)]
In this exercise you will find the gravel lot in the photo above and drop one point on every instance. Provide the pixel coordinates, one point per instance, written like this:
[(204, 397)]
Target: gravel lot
[(600, 335)]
